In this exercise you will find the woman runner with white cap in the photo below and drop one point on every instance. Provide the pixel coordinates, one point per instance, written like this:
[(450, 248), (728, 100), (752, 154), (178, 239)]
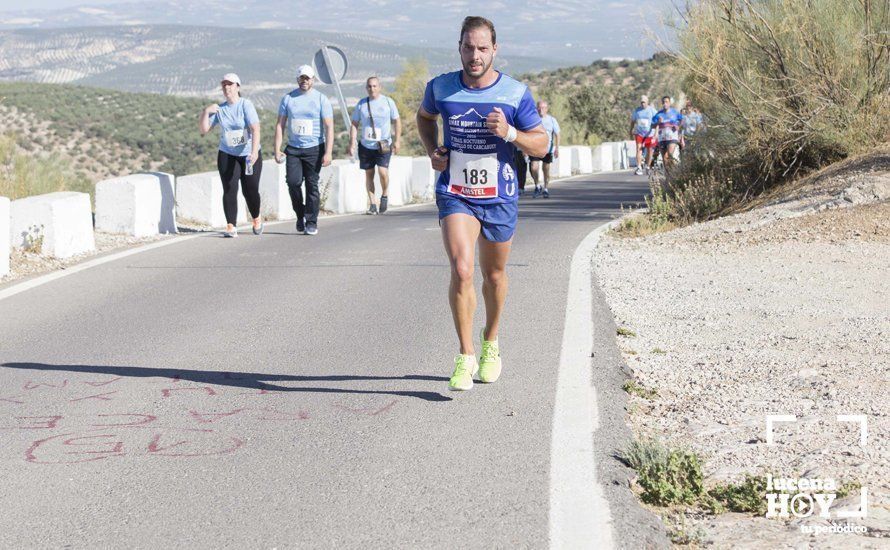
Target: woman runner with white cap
[(239, 151)]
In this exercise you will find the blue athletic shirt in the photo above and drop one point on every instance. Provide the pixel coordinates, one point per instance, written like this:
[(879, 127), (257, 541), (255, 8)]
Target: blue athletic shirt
[(668, 123), (385, 111), (552, 128), (642, 119), (304, 112), (690, 123), (480, 164), (234, 126)]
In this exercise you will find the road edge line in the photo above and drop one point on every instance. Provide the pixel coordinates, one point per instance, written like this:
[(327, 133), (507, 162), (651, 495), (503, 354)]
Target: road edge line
[(579, 512), (40, 280)]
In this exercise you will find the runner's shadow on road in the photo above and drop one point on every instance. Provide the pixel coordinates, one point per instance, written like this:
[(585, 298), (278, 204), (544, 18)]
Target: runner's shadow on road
[(248, 380)]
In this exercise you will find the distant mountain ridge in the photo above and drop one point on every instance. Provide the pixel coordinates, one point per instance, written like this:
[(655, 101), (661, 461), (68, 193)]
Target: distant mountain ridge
[(189, 60), (566, 32)]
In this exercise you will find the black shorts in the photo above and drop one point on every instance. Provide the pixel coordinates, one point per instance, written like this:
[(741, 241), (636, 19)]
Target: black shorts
[(368, 158), (663, 145), (546, 159)]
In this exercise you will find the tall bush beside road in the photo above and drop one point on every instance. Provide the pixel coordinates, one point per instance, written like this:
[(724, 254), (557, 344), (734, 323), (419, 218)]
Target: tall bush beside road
[(407, 92), (787, 86)]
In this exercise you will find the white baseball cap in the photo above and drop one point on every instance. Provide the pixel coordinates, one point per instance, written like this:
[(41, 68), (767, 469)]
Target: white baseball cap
[(231, 77), (644, 98), (305, 70)]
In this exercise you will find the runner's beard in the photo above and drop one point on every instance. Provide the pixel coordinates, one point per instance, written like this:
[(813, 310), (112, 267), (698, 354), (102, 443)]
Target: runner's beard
[(468, 67)]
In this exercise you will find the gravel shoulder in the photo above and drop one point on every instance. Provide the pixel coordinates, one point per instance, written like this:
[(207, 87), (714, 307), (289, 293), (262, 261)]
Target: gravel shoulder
[(25, 264), (782, 309)]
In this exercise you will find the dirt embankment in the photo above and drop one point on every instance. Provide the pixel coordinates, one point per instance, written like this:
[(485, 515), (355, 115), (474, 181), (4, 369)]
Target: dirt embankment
[(782, 309)]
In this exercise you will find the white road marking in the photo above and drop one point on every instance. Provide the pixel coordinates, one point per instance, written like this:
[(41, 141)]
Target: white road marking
[(579, 511), (18, 288)]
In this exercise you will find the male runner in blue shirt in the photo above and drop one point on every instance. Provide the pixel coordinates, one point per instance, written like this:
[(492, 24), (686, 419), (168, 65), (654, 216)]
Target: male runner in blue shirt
[(486, 115), (667, 130)]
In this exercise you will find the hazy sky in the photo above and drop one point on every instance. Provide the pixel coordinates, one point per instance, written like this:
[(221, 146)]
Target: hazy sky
[(10, 5)]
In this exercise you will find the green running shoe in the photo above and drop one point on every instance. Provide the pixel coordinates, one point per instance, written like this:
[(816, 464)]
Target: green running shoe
[(490, 362), (465, 367)]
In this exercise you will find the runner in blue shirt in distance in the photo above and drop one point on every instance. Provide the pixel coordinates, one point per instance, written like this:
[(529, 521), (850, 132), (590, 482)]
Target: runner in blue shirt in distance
[(643, 133), (486, 116), (667, 130), (551, 126)]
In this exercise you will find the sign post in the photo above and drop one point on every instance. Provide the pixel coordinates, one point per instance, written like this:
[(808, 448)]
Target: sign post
[(331, 65)]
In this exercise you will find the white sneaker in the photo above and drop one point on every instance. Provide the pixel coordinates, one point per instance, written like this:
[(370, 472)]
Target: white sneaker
[(639, 171)]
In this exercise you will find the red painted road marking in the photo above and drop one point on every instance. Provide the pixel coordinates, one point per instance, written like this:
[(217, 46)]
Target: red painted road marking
[(30, 385), (146, 419), (301, 415), (98, 397), (207, 418), (97, 384), (73, 448), (168, 391), (261, 392), (48, 424), (11, 400)]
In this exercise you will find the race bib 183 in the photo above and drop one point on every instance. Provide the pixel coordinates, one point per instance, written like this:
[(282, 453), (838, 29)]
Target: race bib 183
[(473, 176), (668, 133)]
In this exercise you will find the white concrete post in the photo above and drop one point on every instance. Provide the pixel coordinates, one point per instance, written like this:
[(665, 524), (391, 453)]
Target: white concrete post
[(60, 223)]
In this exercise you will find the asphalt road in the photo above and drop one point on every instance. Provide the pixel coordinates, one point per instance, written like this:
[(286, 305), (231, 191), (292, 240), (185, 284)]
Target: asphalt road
[(291, 391)]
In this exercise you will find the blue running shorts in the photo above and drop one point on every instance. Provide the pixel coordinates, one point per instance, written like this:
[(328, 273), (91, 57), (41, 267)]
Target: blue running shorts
[(498, 220)]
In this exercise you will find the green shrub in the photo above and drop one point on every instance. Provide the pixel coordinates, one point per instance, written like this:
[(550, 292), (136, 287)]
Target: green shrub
[(749, 497), (634, 388), (787, 87), (667, 476)]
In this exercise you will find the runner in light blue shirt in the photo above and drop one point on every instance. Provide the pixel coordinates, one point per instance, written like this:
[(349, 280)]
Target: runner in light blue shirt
[(374, 118), (551, 126), (303, 113), (238, 159), (234, 123), (643, 133)]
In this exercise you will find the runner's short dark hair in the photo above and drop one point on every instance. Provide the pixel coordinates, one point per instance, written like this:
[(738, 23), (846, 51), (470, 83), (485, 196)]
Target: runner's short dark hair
[(665, 97), (474, 22)]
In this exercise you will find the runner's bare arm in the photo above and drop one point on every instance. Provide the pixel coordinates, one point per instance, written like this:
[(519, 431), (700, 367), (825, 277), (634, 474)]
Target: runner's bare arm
[(328, 141), (533, 142), (204, 119), (255, 142), (397, 140), (353, 133), (429, 136), (428, 129), (279, 134)]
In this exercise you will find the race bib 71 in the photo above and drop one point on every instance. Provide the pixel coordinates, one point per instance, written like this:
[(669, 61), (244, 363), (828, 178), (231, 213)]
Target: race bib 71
[(302, 126)]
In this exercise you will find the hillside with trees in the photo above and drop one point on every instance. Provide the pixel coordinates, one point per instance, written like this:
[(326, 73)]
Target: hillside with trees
[(64, 136)]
